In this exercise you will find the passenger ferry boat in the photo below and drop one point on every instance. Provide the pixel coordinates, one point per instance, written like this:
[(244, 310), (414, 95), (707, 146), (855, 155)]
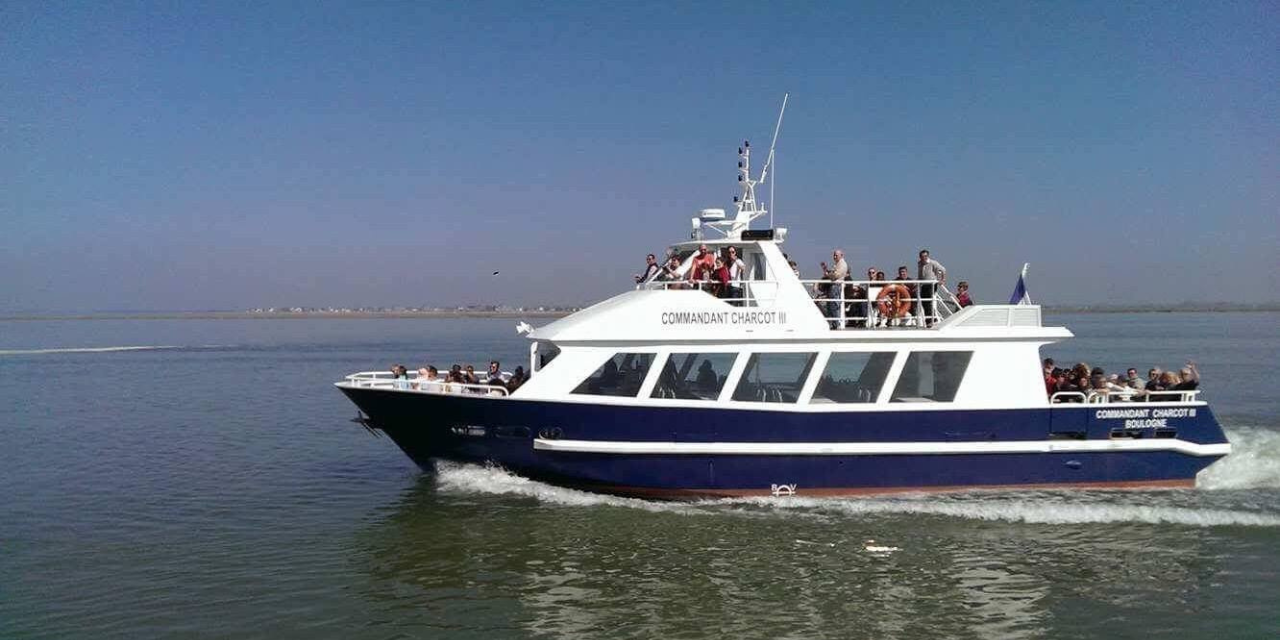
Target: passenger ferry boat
[(670, 391)]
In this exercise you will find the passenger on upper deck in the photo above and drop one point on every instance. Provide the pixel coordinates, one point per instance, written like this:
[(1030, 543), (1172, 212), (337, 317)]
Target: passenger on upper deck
[(837, 272), (737, 271), (720, 279), (702, 265), (962, 294), (671, 273), (651, 270), (933, 270)]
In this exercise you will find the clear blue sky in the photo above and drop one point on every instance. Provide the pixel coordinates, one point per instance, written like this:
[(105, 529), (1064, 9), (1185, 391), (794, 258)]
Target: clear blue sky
[(232, 155)]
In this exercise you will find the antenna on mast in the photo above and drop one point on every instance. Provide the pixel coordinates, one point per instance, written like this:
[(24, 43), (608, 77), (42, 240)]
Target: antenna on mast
[(764, 173)]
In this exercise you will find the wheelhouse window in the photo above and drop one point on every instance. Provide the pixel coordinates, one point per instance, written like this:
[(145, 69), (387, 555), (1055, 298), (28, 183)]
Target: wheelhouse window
[(853, 377), (693, 376), (620, 375), (774, 377), (931, 376)]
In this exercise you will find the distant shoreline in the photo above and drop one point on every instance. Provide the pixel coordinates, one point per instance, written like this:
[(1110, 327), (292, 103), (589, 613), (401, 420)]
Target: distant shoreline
[(445, 314)]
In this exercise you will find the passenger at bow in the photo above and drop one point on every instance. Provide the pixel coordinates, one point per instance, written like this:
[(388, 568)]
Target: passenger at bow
[(962, 295), (429, 379), (494, 376), (517, 379)]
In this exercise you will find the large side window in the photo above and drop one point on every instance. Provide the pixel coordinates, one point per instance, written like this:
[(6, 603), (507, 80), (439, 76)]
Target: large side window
[(774, 377), (931, 376), (620, 375), (693, 376), (853, 377)]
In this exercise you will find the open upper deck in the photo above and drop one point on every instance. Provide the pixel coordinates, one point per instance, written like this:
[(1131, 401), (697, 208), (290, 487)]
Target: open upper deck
[(770, 302)]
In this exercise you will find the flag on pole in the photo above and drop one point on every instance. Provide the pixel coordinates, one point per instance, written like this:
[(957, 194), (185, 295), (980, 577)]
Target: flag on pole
[(1020, 295)]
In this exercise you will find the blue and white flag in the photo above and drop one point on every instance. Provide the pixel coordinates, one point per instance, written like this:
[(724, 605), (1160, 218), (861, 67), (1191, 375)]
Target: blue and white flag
[(1020, 295)]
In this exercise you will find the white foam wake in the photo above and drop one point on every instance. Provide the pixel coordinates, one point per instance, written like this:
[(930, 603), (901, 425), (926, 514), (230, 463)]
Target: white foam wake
[(1050, 509), (26, 352), (1039, 508), (1254, 462), (469, 478)]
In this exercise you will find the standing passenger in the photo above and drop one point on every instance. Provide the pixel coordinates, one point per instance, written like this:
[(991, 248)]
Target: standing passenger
[(932, 271), (737, 271), (651, 270)]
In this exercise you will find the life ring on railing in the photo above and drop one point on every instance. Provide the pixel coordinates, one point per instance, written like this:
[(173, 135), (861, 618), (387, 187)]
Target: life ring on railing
[(894, 301)]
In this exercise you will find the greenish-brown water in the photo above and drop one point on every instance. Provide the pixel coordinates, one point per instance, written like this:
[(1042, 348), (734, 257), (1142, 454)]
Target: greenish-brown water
[(208, 484)]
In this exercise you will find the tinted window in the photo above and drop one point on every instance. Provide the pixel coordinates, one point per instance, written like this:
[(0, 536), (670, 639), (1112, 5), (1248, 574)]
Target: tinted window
[(931, 376), (774, 377), (853, 377), (693, 376), (620, 375)]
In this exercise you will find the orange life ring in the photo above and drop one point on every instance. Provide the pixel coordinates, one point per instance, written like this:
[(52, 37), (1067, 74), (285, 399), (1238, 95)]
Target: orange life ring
[(894, 301)]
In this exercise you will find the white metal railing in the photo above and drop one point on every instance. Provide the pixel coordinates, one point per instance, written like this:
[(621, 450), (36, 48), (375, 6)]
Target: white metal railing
[(388, 380), (1111, 397), (739, 293), (856, 304), (867, 304)]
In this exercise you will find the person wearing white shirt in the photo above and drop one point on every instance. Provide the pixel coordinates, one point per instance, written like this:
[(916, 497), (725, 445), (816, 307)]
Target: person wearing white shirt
[(737, 271)]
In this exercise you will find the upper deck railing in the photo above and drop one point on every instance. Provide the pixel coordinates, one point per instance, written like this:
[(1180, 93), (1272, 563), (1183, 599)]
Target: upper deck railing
[(387, 380), (845, 304)]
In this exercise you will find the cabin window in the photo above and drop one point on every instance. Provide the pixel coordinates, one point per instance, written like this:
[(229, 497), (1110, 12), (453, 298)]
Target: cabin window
[(620, 375), (694, 376), (853, 377), (931, 376), (774, 377)]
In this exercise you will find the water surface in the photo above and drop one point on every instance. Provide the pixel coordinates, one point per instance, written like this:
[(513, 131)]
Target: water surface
[(214, 488)]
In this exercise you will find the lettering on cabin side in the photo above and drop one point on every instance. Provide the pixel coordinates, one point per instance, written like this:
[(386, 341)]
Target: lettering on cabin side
[(1145, 418), (740, 318)]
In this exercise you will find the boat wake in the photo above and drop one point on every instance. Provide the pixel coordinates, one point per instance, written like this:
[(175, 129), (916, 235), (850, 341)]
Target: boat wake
[(28, 352), (1253, 464)]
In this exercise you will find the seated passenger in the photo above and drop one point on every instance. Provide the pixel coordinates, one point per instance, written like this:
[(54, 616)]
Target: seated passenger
[(671, 273), (469, 376), (962, 295), (706, 380)]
